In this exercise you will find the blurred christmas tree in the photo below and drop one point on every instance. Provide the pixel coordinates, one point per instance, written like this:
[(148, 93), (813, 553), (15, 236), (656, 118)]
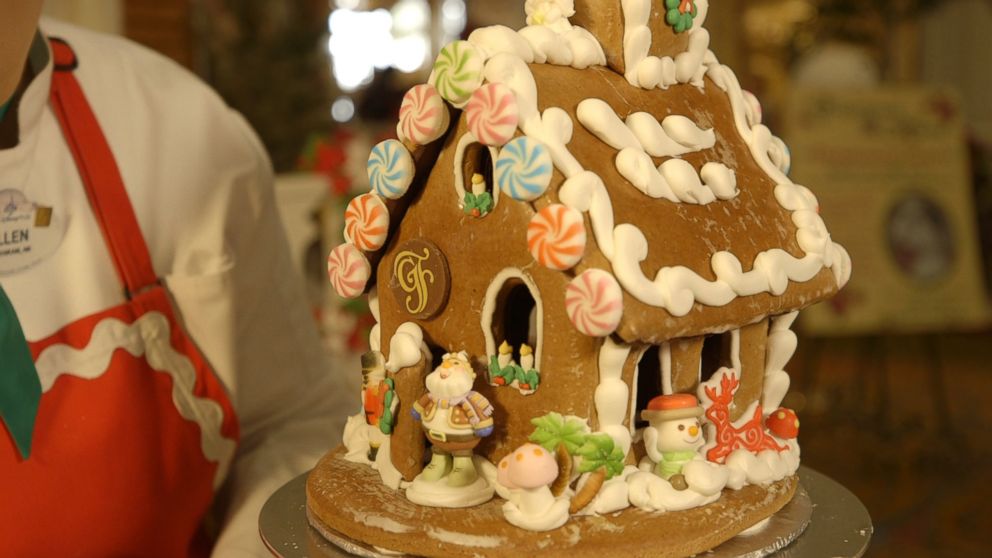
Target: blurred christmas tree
[(268, 59)]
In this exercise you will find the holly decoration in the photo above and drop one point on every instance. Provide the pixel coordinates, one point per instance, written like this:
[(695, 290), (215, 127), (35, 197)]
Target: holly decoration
[(680, 14), (503, 376), (478, 205)]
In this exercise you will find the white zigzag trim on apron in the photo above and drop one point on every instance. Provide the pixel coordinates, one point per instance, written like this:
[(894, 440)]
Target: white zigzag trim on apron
[(150, 331)]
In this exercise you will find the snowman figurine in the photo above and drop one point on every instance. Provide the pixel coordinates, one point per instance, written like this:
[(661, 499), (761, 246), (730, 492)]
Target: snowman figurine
[(673, 435)]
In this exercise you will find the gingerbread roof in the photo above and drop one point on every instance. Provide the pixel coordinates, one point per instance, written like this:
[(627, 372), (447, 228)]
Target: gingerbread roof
[(684, 197)]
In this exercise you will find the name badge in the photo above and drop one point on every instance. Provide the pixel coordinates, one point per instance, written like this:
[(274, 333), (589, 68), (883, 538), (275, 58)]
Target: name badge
[(29, 232)]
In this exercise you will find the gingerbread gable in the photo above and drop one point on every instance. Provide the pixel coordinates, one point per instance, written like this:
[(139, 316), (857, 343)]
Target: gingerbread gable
[(679, 195)]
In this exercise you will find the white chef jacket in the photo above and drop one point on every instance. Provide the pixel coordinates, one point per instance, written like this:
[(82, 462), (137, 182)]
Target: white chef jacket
[(201, 186)]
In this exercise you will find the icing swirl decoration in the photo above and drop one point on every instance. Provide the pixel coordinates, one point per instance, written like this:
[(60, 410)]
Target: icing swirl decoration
[(390, 169), (423, 115), (420, 280), (492, 114), (556, 237), (348, 270), (523, 169), (457, 72), (366, 222), (680, 13), (594, 303)]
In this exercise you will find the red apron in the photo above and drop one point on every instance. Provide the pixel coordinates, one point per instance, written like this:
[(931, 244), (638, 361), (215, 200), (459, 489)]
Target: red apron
[(134, 432)]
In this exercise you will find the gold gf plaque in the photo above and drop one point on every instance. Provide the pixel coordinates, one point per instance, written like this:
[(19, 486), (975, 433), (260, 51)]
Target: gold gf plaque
[(420, 279)]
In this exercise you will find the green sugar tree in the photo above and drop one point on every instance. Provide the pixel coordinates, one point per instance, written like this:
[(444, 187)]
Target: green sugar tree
[(601, 457), (568, 437)]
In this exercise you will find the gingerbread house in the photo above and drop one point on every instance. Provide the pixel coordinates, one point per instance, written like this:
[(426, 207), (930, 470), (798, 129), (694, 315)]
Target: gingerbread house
[(591, 209)]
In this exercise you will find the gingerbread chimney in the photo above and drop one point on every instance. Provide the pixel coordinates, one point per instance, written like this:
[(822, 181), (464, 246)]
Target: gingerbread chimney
[(667, 29)]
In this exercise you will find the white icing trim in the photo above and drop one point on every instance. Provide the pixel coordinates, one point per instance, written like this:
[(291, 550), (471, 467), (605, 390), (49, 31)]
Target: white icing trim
[(779, 348), (613, 395), (735, 351), (463, 143), (489, 309), (665, 356), (150, 336), (642, 135), (375, 334), (406, 347)]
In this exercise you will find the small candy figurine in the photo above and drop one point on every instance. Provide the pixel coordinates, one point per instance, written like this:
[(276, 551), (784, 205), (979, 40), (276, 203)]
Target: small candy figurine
[(674, 434), (379, 400), (454, 419)]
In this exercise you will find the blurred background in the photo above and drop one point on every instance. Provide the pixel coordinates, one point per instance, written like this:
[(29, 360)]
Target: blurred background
[(884, 105)]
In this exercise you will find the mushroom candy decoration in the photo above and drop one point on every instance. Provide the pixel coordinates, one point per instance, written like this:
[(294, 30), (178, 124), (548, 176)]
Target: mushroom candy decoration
[(783, 423), (528, 473)]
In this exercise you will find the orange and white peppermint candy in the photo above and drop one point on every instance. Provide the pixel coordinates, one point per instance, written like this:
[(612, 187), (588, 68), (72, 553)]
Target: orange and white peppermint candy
[(348, 270), (556, 237), (366, 222), (594, 303)]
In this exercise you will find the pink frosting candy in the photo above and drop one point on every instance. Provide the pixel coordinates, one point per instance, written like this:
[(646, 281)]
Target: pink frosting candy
[(594, 303), (366, 222), (348, 270), (556, 237), (492, 114), (423, 115)]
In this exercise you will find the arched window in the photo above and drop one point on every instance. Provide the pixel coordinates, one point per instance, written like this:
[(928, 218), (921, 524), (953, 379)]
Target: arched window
[(512, 312), (649, 381), (474, 171)]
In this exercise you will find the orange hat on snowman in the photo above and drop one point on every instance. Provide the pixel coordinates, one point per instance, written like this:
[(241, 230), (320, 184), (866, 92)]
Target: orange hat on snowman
[(672, 407)]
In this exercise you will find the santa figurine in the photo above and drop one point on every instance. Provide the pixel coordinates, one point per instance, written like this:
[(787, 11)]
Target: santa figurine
[(454, 419), (673, 435)]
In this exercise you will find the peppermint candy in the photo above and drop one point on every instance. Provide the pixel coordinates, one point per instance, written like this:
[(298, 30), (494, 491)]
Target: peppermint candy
[(523, 169), (366, 222), (556, 237), (348, 270), (594, 303), (492, 114), (390, 169), (457, 72), (423, 115)]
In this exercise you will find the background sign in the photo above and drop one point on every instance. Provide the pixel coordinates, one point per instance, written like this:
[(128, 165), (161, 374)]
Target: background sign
[(890, 168)]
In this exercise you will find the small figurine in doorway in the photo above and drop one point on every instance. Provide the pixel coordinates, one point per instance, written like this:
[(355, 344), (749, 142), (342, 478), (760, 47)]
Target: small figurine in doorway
[(379, 401), (454, 419)]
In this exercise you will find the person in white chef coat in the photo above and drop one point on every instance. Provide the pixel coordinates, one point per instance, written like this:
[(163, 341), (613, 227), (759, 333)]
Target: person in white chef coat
[(157, 360)]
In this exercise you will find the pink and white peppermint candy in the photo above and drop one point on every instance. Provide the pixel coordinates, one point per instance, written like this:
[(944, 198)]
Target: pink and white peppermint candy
[(423, 115), (348, 270), (366, 222), (556, 237), (492, 114), (594, 303)]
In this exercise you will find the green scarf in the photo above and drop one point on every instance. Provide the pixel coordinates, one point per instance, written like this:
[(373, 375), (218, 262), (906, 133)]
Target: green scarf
[(20, 387), (672, 462), (3, 110)]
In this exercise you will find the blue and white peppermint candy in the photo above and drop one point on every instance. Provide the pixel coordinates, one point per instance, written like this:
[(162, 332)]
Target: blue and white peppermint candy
[(390, 169), (523, 169)]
